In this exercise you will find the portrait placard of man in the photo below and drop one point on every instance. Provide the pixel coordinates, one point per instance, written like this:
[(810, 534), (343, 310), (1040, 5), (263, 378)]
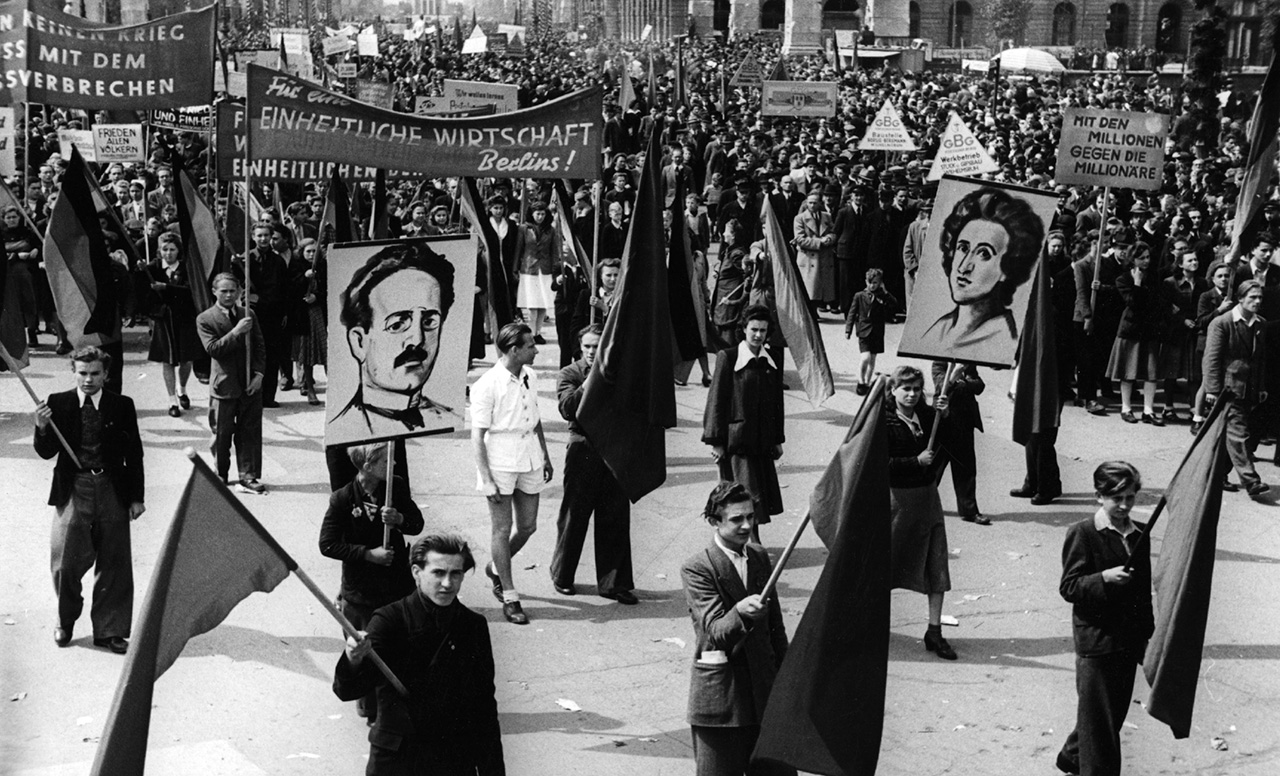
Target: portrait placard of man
[(398, 368), (973, 283)]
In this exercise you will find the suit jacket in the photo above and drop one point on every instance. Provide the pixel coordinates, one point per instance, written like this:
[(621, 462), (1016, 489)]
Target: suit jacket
[(121, 446), (734, 693), (1106, 618), (227, 378), (347, 533), (1233, 359), (569, 383), (445, 659), (859, 235)]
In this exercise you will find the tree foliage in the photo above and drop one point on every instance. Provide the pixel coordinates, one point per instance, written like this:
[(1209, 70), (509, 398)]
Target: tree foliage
[(1204, 77), (1009, 20)]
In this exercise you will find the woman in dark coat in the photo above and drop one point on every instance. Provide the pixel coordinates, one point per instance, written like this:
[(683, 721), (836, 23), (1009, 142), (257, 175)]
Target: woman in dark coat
[(1179, 354), (1135, 356), (743, 419), (918, 535), (22, 254), (534, 292), (307, 319), (730, 296), (174, 339), (613, 233)]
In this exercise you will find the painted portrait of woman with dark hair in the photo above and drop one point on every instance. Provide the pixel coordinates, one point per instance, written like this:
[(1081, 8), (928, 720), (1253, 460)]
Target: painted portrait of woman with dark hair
[(990, 243)]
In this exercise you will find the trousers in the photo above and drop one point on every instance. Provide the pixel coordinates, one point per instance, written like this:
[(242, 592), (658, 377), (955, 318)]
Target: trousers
[(237, 421), (91, 531), (1043, 476), (1104, 687), (590, 489)]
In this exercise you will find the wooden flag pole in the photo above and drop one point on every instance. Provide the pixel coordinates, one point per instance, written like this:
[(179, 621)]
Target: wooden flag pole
[(595, 252), (16, 368), (1097, 260), (248, 242), (946, 386), (386, 501)]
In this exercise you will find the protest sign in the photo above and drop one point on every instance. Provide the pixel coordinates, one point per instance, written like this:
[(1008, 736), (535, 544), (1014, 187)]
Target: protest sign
[(799, 99), (886, 132), (55, 58), (337, 45), (265, 57), (347, 69), (1112, 148), (119, 143), (960, 153), (376, 93), (194, 119), (973, 283), (436, 275), (8, 157), (477, 43), (749, 73), (470, 94), (440, 106), (293, 119), (232, 83), (81, 139), (367, 44)]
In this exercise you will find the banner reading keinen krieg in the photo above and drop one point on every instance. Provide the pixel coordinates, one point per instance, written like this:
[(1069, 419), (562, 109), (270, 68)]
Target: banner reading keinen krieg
[(293, 119), (58, 59)]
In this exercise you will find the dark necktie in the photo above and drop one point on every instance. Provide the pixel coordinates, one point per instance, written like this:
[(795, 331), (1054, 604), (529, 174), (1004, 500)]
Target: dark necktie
[(411, 418)]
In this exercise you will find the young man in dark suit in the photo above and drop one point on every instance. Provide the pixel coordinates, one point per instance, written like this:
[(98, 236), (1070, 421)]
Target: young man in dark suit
[(440, 650), (230, 333), (96, 493), (740, 638)]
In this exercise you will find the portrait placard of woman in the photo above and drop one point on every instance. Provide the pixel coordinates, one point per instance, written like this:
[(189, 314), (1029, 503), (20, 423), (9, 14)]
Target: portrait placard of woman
[(971, 296)]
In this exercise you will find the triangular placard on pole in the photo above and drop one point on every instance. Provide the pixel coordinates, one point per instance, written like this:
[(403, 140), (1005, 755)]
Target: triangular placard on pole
[(886, 132), (960, 153), (748, 73)]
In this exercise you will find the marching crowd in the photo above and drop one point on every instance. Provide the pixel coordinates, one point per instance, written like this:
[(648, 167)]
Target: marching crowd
[(1147, 293)]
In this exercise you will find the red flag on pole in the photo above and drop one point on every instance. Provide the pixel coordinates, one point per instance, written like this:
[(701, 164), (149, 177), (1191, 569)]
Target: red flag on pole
[(1183, 576), (1259, 164), (337, 211), (628, 400), (799, 328), (496, 280), (1036, 405), (80, 270), (826, 710), (213, 557), (380, 219), (201, 242)]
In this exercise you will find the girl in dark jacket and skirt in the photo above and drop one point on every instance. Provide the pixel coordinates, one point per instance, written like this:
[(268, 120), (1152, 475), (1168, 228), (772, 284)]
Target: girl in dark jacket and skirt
[(174, 339), (1179, 357), (1135, 355), (918, 541)]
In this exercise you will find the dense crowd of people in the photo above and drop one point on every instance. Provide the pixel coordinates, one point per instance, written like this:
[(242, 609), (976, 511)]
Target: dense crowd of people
[(1147, 294)]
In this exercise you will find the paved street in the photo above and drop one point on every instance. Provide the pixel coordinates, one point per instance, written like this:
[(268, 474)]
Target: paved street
[(254, 697)]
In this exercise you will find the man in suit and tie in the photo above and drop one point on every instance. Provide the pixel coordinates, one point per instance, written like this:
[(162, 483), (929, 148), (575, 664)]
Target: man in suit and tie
[(1235, 359), (162, 195), (96, 492), (230, 333), (740, 638), (135, 207), (675, 177)]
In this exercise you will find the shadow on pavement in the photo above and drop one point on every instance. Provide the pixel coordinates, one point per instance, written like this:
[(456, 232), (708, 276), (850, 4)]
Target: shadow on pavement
[(290, 653), (676, 744), (589, 607), (556, 721), (1011, 653)]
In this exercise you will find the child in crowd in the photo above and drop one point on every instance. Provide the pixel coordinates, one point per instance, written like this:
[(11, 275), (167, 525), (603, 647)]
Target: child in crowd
[(1106, 575), (870, 310)]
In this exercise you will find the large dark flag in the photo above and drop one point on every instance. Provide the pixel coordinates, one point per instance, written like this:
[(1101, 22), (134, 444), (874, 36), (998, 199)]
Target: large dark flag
[(1183, 575), (496, 281), (243, 211), (214, 555), (1260, 161), (380, 218), (626, 89), (79, 267), (337, 211), (799, 328), (569, 248), (628, 400), (1036, 407), (688, 316), (826, 710), (201, 242)]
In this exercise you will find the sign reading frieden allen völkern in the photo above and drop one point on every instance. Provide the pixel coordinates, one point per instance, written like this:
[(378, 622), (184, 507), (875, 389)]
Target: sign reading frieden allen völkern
[(290, 118), (57, 59)]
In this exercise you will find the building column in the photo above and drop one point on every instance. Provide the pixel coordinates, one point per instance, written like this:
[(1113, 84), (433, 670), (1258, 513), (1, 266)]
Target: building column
[(802, 32), (704, 16)]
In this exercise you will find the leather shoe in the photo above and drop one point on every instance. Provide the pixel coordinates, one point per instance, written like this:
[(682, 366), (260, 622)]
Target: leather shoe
[(1229, 487), (185, 401), (1196, 425), (1152, 419), (1066, 766), (979, 519), (1258, 489), (1096, 408), (514, 613), (1041, 499), (113, 643), (62, 635), (564, 589), (622, 596), (937, 644), (174, 412), (497, 583), (1023, 492), (271, 405)]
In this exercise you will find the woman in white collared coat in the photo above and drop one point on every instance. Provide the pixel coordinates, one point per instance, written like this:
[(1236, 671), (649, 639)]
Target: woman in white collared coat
[(815, 241)]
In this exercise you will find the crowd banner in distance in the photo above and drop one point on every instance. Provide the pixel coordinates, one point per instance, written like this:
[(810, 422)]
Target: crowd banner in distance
[(1117, 148), (799, 99), (290, 118), (960, 153), (54, 58)]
